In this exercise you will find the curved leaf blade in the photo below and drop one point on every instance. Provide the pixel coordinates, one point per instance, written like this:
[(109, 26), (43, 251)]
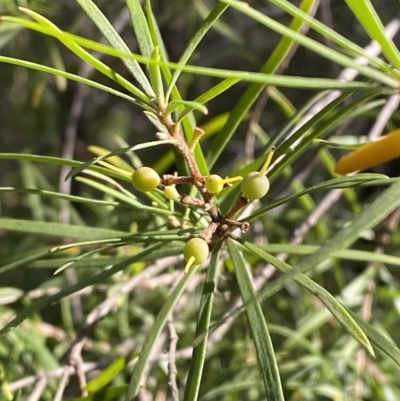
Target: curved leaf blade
[(116, 41), (159, 323), (335, 307), (47, 300), (262, 340), (203, 325)]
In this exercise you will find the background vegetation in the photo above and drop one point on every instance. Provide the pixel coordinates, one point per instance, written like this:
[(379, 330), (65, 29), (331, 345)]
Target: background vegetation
[(90, 322)]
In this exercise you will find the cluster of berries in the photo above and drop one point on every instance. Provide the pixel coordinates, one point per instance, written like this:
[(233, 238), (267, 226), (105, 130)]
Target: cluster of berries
[(254, 186)]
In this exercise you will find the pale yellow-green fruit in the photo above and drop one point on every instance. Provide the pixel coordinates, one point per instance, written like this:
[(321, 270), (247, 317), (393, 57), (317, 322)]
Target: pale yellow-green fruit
[(214, 184), (254, 186), (197, 248), (145, 179), (170, 192)]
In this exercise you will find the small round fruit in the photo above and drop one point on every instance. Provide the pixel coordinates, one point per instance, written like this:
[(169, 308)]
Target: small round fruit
[(145, 179), (255, 186), (214, 184), (197, 248), (170, 192)]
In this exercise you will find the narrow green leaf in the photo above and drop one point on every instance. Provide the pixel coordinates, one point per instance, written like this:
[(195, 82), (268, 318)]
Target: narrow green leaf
[(333, 305), (196, 39), (84, 55), (247, 100), (42, 302), (341, 182), (262, 340), (223, 28), (312, 44), (155, 76), (127, 197), (106, 394), (108, 374), (347, 254), (82, 256), (157, 38), (330, 34), (141, 28), (322, 129), (381, 341), (61, 162), (105, 156), (72, 77), (260, 78), (116, 41), (58, 195), (203, 325), (174, 104), (188, 123), (24, 259), (373, 214), (369, 19), (58, 229), (114, 160), (159, 323), (209, 95)]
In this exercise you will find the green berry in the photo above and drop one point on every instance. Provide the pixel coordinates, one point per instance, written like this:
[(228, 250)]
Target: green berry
[(214, 184), (197, 248), (170, 192), (255, 186), (145, 179)]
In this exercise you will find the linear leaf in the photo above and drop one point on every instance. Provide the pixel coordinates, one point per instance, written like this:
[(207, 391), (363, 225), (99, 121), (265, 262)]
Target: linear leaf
[(105, 156), (203, 325), (373, 214), (261, 78), (262, 340), (58, 195), (58, 229), (106, 394), (209, 95), (247, 100), (369, 19), (116, 41), (141, 28), (72, 77), (348, 182), (329, 33), (193, 105), (61, 162), (156, 77), (380, 340), (196, 39), (312, 44), (42, 302), (347, 254), (108, 374), (159, 323), (334, 306), (84, 55)]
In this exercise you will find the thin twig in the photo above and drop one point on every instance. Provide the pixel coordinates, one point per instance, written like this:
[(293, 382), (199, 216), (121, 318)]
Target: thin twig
[(61, 386), (348, 74), (51, 374), (172, 371), (38, 390), (103, 309), (367, 303), (387, 110)]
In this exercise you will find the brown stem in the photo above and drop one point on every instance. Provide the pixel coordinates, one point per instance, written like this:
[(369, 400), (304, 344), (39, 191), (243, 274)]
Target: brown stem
[(240, 204), (168, 179)]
